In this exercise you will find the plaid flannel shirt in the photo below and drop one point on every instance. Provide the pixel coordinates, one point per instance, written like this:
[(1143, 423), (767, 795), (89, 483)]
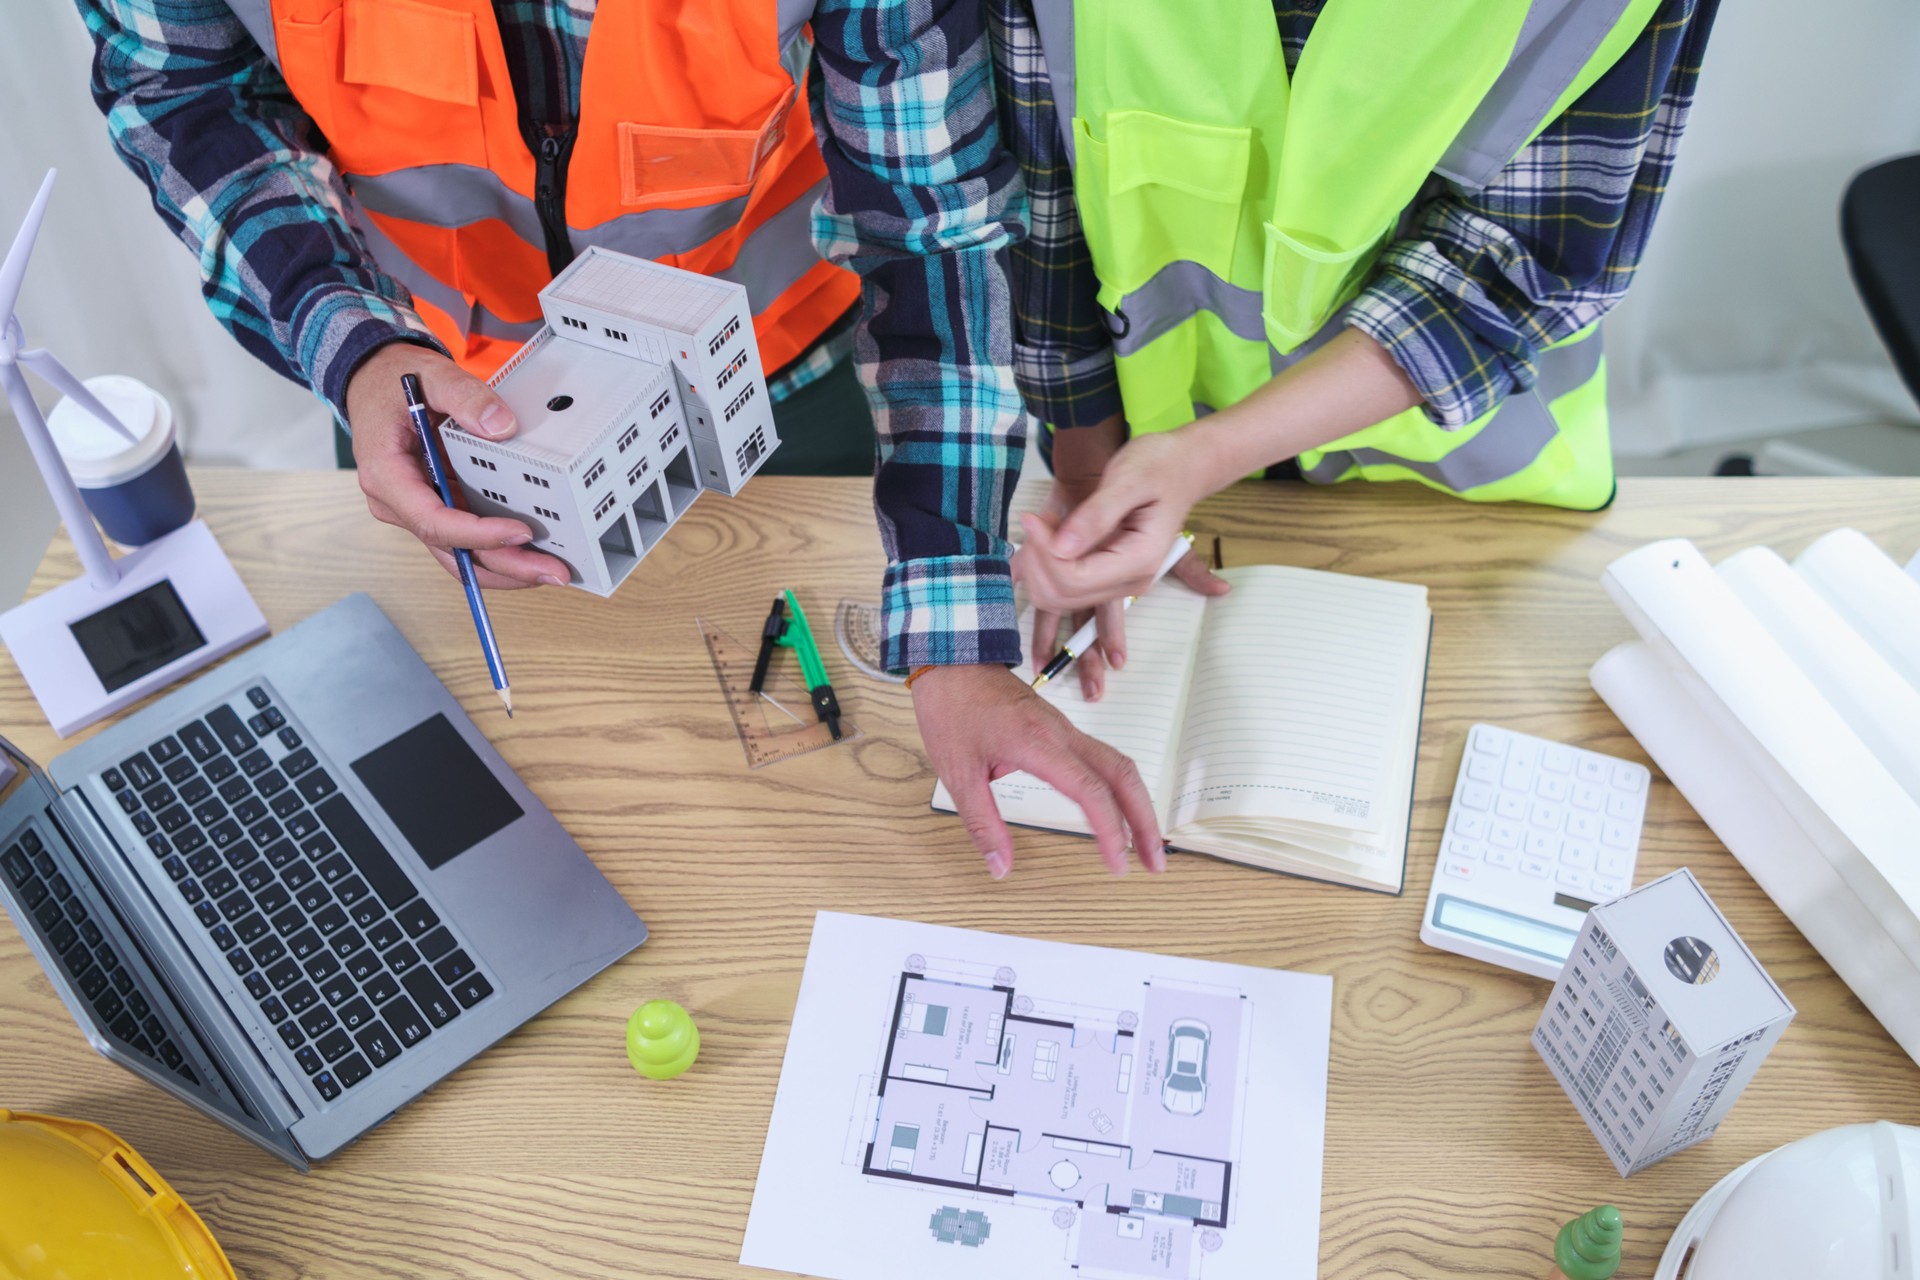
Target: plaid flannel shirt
[(1465, 300)]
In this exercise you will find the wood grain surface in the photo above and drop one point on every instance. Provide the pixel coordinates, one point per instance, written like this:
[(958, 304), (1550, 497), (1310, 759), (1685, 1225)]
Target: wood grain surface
[(1449, 1149)]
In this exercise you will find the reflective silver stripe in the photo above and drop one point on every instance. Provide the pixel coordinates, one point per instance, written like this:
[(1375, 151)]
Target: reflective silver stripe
[(779, 252), (471, 318), (1555, 43), (1053, 21), (1175, 293), (1507, 445), (257, 17)]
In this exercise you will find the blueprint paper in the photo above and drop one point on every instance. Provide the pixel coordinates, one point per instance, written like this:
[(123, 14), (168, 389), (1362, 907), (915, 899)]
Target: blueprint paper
[(964, 1104)]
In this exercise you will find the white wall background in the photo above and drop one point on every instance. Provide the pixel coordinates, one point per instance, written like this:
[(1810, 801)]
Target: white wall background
[(1743, 321)]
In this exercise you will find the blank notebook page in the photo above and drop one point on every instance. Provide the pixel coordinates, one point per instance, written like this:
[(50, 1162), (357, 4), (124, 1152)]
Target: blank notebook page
[(1301, 701)]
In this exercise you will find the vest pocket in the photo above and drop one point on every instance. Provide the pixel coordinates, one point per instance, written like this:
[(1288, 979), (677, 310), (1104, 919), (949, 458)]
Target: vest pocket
[(660, 165), (1304, 284), (1157, 190)]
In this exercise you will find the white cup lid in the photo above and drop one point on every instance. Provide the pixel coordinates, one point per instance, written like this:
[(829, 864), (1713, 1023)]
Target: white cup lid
[(98, 456)]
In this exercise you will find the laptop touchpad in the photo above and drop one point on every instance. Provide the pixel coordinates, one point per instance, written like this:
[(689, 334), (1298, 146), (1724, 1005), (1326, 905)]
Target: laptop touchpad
[(436, 790)]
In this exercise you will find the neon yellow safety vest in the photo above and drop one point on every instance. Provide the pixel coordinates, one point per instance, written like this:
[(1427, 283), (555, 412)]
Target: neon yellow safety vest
[(1232, 210)]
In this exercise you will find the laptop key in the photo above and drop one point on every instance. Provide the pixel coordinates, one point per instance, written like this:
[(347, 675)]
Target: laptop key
[(252, 929), (375, 863), (48, 914), (63, 935), (298, 875), (140, 771), (170, 1054), (200, 742), (272, 1010), (265, 831), (143, 823), (334, 1045), (220, 770), (403, 958), (313, 896), (317, 1020), (196, 791), (220, 883), (160, 845), (190, 839), (381, 987), (317, 846), (242, 962), (225, 833), (61, 889), (204, 861), (271, 783), (367, 912), (178, 771), (129, 803), (190, 890), (236, 904), (288, 738), (17, 866), (316, 785), (287, 920), (351, 1070), (417, 917), (225, 721), (259, 876), (351, 890), (41, 862), (258, 725), (330, 919), (286, 804), (309, 1059), (305, 944), (156, 797), (334, 869), (123, 982), (93, 981), (346, 942), (113, 779), (384, 934), (234, 790), (258, 696), (471, 990), (300, 997), (298, 762), (109, 1006), (326, 1086), (255, 762), (281, 852), (364, 964), (210, 812), (173, 819), (267, 950), (431, 998), (249, 811), (301, 825), (125, 1028), (356, 1013), (405, 1020), (272, 897), (454, 967), (284, 974), (240, 853), (337, 988), (164, 750), (34, 892), (223, 937), (322, 966), (206, 913), (260, 989), (378, 1043)]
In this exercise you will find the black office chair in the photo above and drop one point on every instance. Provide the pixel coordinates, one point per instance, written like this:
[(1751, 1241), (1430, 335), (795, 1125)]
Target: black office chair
[(1880, 230)]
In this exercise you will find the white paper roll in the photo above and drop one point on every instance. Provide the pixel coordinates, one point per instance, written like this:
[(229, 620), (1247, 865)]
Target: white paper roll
[(1870, 592), (1870, 695), (1680, 725)]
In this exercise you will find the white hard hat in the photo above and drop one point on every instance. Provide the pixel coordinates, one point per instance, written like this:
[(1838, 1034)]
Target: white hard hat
[(1839, 1205)]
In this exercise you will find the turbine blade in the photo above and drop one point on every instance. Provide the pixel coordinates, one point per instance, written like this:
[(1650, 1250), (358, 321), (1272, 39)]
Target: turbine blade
[(48, 366), (15, 268)]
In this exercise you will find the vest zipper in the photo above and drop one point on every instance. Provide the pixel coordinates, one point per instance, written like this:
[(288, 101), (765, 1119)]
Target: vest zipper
[(550, 155)]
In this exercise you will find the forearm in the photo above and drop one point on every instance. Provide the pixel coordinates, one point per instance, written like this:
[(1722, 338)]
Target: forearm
[(1349, 384), (236, 170)]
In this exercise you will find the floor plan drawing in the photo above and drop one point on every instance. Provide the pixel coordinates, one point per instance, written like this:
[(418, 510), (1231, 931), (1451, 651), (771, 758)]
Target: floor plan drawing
[(1094, 1105)]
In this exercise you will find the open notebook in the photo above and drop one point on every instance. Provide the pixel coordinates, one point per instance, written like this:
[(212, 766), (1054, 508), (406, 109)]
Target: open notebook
[(1274, 726)]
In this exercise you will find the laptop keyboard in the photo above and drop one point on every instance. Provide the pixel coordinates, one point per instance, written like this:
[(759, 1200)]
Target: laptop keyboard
[(91, 961), (345, 959)]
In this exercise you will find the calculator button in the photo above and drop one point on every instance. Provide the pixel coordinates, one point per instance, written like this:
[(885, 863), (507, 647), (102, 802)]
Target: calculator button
[(1476, 795), (1591, 769), (1551, 788), (1502, 858), (1587, 796), (1557, 759), (1467, 849), (1629, 777), (1548, 816), (1573, 878), (1583, 826), (1617, 834), (1470, 825), (1518, 775), (1607, 890), (1457, 868), (1489, 739), (1576, 854), (1536, 866), (1506, 835), (1511, 807), (1543, 844), (1613, 862), (1482, 768), (1624, 808)]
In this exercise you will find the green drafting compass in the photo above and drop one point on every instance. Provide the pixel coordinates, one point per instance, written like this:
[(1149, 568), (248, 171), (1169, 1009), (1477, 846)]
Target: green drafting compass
[(776, 717)]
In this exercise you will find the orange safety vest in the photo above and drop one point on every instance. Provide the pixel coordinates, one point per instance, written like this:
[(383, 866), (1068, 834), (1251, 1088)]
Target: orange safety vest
[(694, 147)]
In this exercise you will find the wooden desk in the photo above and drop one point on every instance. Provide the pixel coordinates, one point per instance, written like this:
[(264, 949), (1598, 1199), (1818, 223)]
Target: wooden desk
[(1450, 1151)]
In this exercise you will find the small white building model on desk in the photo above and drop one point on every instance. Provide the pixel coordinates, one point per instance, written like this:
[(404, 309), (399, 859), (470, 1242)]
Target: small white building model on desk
[(643, 388)]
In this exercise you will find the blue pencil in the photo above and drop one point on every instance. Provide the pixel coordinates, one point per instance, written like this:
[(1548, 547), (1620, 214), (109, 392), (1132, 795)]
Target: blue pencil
[(417, 410)]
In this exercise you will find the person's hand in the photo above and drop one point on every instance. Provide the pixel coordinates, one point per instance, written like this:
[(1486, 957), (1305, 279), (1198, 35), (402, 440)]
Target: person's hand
[(1080, 457), (983, 722), (394, 478), (1112, 542)]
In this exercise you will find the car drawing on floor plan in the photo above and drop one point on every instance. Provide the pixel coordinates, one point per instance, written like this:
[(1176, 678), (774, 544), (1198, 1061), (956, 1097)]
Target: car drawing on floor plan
[(1184, 1091)]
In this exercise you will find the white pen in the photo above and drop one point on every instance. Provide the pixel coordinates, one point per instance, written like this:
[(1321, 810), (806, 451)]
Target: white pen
[(1083, 638)]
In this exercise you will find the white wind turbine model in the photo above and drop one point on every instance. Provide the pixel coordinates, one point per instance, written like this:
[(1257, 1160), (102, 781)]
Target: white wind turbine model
[(101, 642)]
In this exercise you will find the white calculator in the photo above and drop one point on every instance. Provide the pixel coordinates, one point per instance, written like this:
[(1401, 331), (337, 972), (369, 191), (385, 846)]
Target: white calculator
[(1538, 833)]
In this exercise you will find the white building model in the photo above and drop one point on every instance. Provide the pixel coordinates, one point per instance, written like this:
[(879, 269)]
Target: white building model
[(643, 388)]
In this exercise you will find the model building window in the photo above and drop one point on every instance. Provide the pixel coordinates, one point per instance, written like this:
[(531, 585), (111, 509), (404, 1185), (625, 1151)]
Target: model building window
[(542, 511), (605, 505), (530, 478), (482, 462), (659, 406), (628, 436), (497, 497), (616, 334), (594, 472)]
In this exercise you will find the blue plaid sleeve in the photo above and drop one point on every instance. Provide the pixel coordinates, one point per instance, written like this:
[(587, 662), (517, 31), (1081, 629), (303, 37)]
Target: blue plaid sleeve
[(236, 169), (1483, 281), (923, 203)]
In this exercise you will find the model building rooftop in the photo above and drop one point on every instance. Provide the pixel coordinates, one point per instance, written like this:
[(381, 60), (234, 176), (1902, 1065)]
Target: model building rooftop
[(665, 297), (570, 396)]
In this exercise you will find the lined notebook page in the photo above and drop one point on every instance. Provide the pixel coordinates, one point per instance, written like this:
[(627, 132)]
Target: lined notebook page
[(1300, 704), (1139, 716)]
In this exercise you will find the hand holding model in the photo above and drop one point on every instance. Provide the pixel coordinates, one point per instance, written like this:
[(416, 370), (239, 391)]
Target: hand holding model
[(393, 475)]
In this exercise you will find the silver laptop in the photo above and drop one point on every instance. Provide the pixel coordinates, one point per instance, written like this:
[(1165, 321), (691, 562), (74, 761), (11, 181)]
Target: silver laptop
[(301, 889)]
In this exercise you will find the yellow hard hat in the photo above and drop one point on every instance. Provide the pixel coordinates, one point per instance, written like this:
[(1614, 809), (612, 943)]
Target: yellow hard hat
[(80, 1203)]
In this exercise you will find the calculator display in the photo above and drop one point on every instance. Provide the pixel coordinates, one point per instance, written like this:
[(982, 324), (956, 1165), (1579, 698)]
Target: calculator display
[(1502, 928)]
